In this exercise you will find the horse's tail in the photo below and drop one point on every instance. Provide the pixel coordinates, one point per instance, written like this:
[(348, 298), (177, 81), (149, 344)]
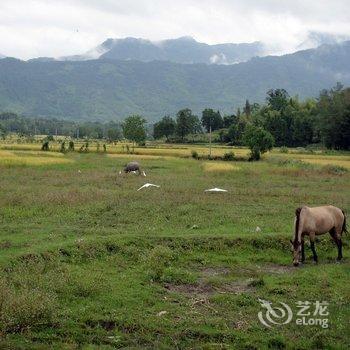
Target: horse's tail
[(344, 228), (297, 221)]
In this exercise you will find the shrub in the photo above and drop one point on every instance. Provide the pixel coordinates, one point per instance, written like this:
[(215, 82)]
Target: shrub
[(71, 146), (63, 147), (45, 146), (229, 156), (194, 154)]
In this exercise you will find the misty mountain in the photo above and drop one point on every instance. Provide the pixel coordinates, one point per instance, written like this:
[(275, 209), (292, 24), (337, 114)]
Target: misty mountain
[(181, 50), (106, 89), (315, 39)]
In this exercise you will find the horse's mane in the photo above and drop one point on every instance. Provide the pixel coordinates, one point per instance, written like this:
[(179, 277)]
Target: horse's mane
[(297, 214)]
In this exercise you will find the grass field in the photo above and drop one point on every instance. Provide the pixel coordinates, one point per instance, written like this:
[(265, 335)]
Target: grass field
[(89, 262)]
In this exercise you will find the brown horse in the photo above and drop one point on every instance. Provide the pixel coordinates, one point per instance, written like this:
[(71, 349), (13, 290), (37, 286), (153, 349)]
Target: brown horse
[(317, 221)]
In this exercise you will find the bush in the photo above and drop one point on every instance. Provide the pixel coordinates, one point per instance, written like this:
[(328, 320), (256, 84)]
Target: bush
[(229, 156), (71, 146), (194, 154), (63, 147), (45, 146)]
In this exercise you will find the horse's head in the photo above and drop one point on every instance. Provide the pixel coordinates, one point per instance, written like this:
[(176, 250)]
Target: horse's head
[(296, 248)]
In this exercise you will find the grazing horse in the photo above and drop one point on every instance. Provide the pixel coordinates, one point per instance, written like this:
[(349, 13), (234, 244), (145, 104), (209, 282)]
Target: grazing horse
[(133, 167), (317, 221)]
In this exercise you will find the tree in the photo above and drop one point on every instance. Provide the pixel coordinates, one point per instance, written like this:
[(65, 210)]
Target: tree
[(228, 120), (2, 132), (247, 109), (186, 123), (211, 120), (134, 128), (112, 130), (333, 109), (277, 99), (165, 127), (236, 131), (258, 140)]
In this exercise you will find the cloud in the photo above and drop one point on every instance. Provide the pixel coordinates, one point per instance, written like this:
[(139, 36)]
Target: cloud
[(32, 28)]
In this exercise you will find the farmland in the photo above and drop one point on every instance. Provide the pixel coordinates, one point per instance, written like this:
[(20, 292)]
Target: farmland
[(89, 262)]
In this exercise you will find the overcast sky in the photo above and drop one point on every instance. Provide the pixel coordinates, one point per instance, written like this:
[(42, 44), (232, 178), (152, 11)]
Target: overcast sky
[(32, 28)]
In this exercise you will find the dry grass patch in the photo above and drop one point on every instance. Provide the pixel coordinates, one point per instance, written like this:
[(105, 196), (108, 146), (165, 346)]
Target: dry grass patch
[(10, 158), (219, 167)]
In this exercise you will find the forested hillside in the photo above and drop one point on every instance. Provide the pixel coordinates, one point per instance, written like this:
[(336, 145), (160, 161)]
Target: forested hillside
[(110, 89)]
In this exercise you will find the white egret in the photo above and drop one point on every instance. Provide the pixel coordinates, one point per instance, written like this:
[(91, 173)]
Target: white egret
[(215, 189), (148, 185)]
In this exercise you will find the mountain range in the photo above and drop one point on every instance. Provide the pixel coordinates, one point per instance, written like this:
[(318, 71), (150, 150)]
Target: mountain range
[(109, 88), (181, 50)]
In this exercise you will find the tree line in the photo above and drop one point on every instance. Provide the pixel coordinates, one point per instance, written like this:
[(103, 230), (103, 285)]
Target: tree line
[(290, 122), (281, 121)]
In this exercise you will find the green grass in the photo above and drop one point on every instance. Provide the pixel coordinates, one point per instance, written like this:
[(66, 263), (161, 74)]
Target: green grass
[(88, 262)]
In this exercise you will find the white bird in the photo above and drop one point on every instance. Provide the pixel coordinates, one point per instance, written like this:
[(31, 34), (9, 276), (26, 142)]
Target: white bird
[(215, 189), (148, 185), (79, 171), (258, 229)]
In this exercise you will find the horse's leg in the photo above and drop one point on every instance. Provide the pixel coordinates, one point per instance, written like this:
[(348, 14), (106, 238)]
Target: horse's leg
[(302, 250), (312, 244), (336, 235)]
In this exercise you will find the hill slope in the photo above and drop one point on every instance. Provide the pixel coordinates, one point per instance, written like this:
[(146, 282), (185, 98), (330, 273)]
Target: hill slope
[(110, 89)]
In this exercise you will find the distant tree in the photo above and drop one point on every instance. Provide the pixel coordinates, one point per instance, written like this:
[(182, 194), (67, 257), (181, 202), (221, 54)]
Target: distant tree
[(211, 120), (247, 108), (333, 109), (258, 140), (165, 127), (235, 131), (228, 120), (186, 123), (112, 131), (277, 99), (2, 132), (134, 129)]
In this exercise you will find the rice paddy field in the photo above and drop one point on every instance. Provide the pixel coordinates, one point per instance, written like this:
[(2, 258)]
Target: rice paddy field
[(89, 262)]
